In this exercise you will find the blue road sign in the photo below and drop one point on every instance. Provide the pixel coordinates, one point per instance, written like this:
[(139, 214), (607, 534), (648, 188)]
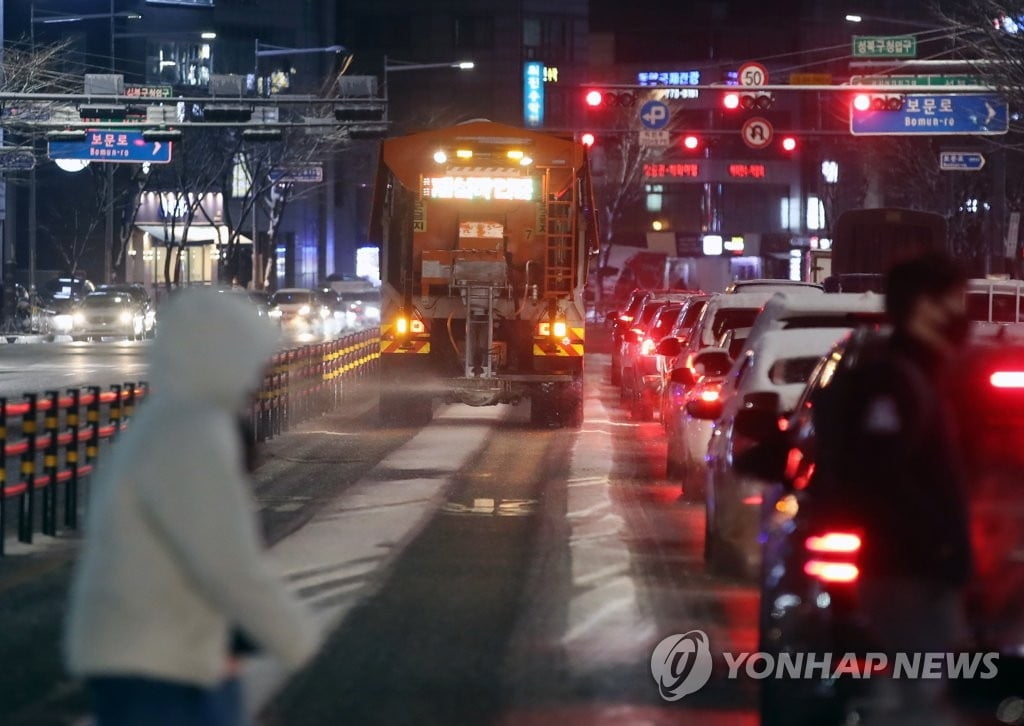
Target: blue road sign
[(961, 161), (654, 115), (113, 146), (936, 115)]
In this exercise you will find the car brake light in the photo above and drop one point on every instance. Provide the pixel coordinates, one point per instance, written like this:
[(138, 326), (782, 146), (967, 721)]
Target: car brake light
[(832, 571), (709, 395), (753, 499), (647, 347), (626, 318), (1007, 379), (834, 542)]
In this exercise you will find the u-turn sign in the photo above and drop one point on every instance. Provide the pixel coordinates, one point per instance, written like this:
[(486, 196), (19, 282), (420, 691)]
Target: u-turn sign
[(654, 115)]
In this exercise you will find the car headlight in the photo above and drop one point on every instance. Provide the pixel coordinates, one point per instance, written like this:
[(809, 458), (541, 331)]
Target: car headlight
[(304, 310), (275, 313), (63, 322), (125, 317), (78, 318), (325, 313)]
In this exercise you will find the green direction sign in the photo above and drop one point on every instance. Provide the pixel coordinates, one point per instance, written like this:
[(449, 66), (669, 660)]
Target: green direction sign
[(884, 46), (915, 81)]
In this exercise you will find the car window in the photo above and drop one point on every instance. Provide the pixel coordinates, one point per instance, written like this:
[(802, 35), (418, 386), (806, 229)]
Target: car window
[(635, 304), (663, 322), (732, 318), (845, 320), (290, 298), (648, 313), (787, 371), (1003, 307), (691, 315)]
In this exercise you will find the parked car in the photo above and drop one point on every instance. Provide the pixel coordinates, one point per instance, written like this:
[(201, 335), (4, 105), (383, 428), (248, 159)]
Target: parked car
[(642, 388), (767, 285), (769, 374), (107, 314), (672, 345), (688, 437), (633, 338), (809, 571), (788, 311)]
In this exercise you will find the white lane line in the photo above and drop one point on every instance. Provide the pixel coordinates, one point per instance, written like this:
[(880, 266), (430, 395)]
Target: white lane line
[(365, 528), (606, 626)]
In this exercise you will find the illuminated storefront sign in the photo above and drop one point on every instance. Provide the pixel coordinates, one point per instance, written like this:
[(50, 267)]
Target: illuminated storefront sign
[(551, 74), (668, 78), (719, 170), (479, 187), (533, 93)]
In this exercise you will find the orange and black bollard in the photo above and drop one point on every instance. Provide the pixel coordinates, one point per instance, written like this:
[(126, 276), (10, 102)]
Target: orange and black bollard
[(71, 457), (51, 420)]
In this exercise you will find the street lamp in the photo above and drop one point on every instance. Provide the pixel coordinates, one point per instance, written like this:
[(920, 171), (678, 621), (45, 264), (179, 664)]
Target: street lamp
[(859, 18), (396, 66)]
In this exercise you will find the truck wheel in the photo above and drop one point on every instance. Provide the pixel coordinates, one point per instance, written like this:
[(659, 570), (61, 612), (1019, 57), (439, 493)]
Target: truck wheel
[(406, 410)]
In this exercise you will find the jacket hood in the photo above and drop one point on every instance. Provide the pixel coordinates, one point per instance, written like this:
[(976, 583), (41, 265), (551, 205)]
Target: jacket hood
[(210, 348)]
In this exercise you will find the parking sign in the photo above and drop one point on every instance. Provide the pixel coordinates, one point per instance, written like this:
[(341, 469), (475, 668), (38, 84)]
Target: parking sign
[(654, 115)]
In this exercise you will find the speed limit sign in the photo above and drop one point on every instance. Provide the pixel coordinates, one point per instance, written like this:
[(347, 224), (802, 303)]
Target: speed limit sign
[(757, 133), (753, 74)]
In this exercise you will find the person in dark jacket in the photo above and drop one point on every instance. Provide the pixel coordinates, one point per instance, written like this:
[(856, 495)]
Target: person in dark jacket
[(889, 452)]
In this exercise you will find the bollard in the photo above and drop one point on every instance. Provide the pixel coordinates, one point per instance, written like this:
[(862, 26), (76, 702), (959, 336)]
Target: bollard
[(115, 412), (129, 400), (51, 426), (71, 457), (27, 503), (92, 416)]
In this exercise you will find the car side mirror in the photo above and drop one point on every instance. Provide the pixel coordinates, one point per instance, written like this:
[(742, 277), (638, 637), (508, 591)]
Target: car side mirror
[(682, 376), (704, 410), (713, 363), (611, 317), (670, 346)]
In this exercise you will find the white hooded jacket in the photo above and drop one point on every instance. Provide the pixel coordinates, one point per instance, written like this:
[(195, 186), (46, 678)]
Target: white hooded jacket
[(172, 558)]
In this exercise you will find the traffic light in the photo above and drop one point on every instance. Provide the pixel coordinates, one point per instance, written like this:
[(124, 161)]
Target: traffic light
[(587, 139), (872, 102), (598, 99), (789, 143), (691, 142), (748, 100)]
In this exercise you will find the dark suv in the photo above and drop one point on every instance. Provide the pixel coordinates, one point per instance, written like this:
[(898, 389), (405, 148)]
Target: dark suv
[(810, 550)]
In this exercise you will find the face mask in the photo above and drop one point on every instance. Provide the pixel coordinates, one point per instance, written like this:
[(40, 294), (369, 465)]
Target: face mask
[(956, 329)]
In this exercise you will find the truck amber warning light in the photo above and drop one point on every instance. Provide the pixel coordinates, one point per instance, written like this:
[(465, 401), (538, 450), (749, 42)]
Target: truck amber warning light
[(479, 187)]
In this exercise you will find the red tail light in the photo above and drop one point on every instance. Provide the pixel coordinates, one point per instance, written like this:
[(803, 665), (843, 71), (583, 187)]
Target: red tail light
[(1007, 379), (626, 318), (840, 547), (834, 543), (709, 394), (647, 347), (832, 571)]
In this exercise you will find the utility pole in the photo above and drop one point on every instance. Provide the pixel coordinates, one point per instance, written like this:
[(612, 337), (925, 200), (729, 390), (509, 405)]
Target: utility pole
[(108, 248), (6, 234)]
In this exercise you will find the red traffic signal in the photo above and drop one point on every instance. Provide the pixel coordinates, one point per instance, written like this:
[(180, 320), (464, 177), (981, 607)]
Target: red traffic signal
[(598, 99), (691, 142), (867, 102), (754, 100), (789, 143), (587, 139), (731, 101)]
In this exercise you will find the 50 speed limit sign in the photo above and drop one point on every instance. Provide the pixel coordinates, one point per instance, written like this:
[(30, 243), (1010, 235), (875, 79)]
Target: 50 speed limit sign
[(757, 133), (753, 74)]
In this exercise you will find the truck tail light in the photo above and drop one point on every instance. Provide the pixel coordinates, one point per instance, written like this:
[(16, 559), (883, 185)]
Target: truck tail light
[(402, 325), (417, 326), (1007, 379), (834, 543), (832, 571), (833, 553), (559, 329), (405, 325)]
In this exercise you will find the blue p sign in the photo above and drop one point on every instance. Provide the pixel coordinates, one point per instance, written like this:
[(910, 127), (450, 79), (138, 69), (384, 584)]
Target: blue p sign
[(654, 114)]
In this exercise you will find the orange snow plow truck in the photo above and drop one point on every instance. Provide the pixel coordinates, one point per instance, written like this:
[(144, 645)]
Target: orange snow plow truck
[(485, 234)]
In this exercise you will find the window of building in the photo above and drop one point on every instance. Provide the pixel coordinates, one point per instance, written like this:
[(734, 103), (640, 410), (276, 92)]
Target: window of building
[(531, 32), (178, 63), (473, 31)]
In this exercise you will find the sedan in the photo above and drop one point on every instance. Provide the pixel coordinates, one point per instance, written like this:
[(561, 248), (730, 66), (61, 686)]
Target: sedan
[(107, 314)]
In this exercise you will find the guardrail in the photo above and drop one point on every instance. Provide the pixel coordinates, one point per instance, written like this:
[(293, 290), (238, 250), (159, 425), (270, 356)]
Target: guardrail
[(52, 440)]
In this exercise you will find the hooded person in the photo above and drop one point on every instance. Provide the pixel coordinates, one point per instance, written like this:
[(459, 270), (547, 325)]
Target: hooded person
[(172, 562)]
